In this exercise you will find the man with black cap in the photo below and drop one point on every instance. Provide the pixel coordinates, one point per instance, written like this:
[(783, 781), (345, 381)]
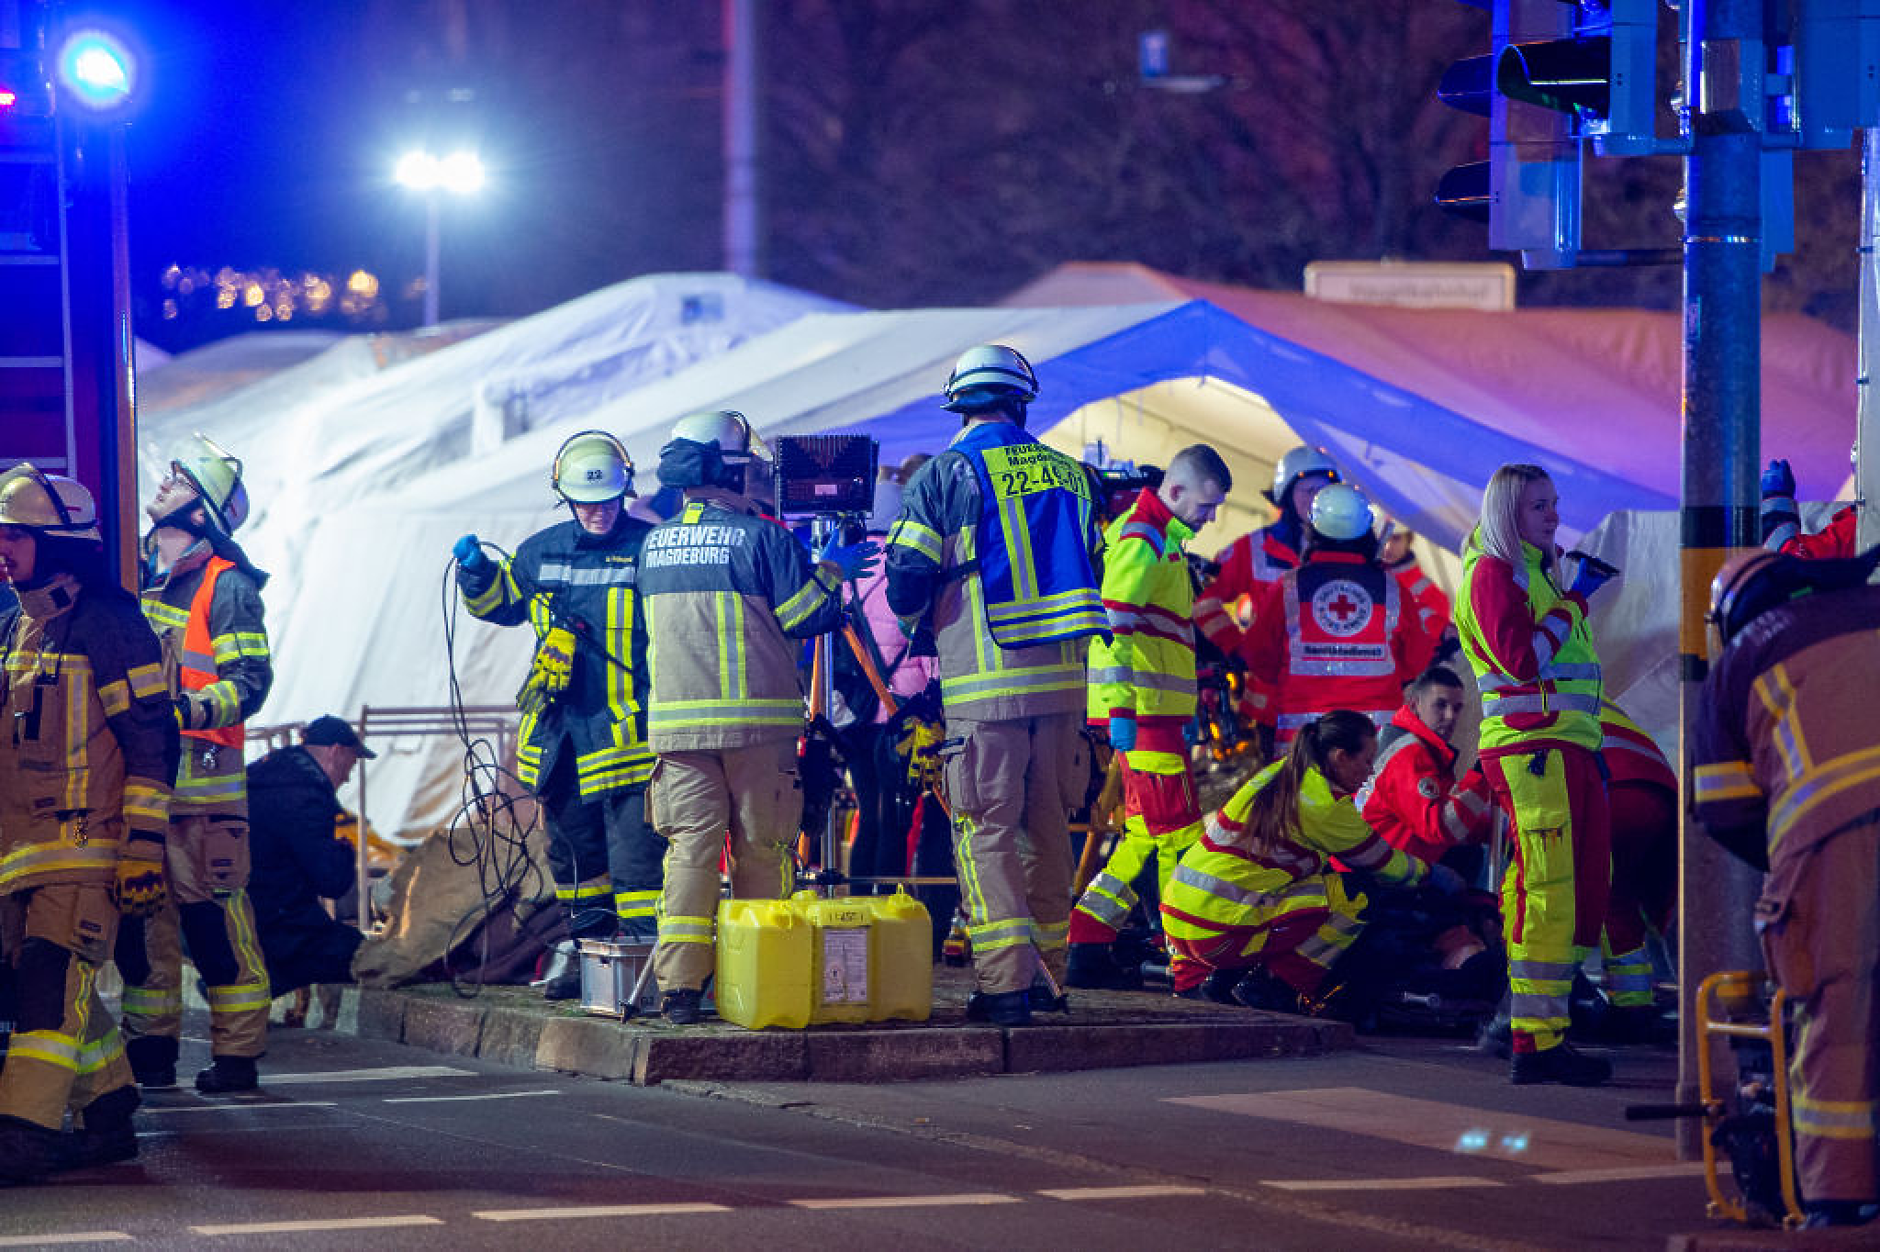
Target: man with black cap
[(293, 799)]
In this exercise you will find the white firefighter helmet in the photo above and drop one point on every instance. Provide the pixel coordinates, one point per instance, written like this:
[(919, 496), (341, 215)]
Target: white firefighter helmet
[(989, 373), (216, 475), (737, 443), (52, 504), (1341, 512), (1296, 464), (592, 467)]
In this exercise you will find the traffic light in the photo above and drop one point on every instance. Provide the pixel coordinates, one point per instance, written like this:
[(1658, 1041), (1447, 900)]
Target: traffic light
[(1603, 74), (1528, 191), (1833, 64)]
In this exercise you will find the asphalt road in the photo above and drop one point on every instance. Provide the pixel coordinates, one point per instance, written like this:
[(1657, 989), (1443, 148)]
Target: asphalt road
[(1407, 1143)]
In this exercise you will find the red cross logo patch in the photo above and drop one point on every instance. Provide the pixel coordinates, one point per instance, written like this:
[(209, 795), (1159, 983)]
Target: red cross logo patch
[(1341, 608)]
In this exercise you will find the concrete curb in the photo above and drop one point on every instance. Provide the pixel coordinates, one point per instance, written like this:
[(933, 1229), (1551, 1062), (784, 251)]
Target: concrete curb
[(512, 1026)]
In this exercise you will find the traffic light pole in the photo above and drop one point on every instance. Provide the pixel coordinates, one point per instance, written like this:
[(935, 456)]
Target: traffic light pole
[(1867, 428), (1722, 382)]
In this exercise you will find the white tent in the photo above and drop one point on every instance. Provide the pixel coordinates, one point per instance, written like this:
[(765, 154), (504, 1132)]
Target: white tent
[(369, 593)]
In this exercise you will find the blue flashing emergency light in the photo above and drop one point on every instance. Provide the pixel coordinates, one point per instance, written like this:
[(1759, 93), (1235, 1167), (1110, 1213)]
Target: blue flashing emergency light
[(97, 69)]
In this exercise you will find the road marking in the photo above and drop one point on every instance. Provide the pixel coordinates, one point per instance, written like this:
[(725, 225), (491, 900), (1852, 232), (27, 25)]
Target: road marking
[(1437, 1183), (341, 1223), (908, 1201), (384, 1073), (1682, 1169), (1119, 1193), (75, 1236), (1456, 1128), (495, 1095), (239, 1106), (596, 1210)]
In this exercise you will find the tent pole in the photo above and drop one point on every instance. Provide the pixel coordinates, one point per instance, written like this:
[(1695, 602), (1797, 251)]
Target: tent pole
[(1866, 436)]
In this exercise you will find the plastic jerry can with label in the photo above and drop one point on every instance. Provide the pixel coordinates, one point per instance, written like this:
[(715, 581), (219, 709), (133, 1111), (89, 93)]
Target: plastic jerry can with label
[(901, 958), (842, 973), (764, 964)]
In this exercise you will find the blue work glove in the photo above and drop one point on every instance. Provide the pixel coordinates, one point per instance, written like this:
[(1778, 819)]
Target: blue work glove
[(469, 553), (1446, 880), (1589, 579), (855, 560), (1123, 734), (1778, 479)]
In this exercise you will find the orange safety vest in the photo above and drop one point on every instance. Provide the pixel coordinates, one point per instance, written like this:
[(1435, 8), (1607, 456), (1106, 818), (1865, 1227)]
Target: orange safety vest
[(198, 663)]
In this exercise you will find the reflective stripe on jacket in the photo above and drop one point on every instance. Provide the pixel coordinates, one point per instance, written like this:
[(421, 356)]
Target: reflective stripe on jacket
[(1631, 755), (89, 743), (932, 562), (590, 584), (1531, 651), (1147, 669), (726, 591), (1247, 566), (1223, 882), (1332, 634)]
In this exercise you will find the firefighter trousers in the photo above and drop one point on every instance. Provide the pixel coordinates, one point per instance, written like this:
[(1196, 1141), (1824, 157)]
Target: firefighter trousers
[(65, 1050), (206, 858), (1553, 898), (1012, 785), (1161, 817), (696, 798), (603, 854), (1823, 946)]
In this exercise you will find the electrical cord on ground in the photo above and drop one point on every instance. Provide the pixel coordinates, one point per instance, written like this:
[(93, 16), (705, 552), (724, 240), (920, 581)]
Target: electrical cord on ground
[(489, 830)]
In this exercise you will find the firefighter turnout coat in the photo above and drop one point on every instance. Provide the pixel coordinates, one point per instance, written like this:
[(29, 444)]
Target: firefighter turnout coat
[(1788, 778), (587, 584)]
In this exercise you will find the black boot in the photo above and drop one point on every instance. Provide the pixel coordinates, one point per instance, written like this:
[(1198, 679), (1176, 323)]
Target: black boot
[(1261, 990), (1560, 1064), (1093, 966), (28, 1152), (683, 1006), (1001, 1008), (153, 1060), (228, 1074), (561, 979), (102, 1132)]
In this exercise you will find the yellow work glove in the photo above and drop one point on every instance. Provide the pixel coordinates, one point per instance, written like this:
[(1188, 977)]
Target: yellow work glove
[(550, 672), (919, 744), (140, 889)]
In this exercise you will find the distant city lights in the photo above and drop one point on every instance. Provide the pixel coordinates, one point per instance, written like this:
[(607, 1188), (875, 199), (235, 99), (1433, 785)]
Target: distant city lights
[(97, 68), (268, 296)]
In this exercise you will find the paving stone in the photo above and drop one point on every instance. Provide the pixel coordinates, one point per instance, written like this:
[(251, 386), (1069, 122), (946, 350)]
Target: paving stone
[(599, 1047), (875, 1055), (444, 1025)]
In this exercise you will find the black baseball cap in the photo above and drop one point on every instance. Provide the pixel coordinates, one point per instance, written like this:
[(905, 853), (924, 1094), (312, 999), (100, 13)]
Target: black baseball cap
[(327, 729)]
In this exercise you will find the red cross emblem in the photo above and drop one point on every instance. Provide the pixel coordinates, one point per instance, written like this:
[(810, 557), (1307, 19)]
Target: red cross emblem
[(1342, 608)]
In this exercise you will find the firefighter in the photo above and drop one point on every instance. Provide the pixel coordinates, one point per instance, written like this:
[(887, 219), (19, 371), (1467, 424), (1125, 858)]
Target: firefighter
[(85, 775), (203, 597), (1335, 633), (1782, 522), (997, 540), (1142, 694), (582, 742), (1784, 779), (1257, 559), (1539, 676), (1257, 895), (727, 590), (1414, 801)]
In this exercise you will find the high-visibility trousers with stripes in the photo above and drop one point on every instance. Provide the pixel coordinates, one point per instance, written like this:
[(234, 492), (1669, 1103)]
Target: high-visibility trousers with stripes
[(1553, 898), (65, 1050), (1161, 817), (1822, 943), (206, 859), (1012, 785), (696, 799)]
